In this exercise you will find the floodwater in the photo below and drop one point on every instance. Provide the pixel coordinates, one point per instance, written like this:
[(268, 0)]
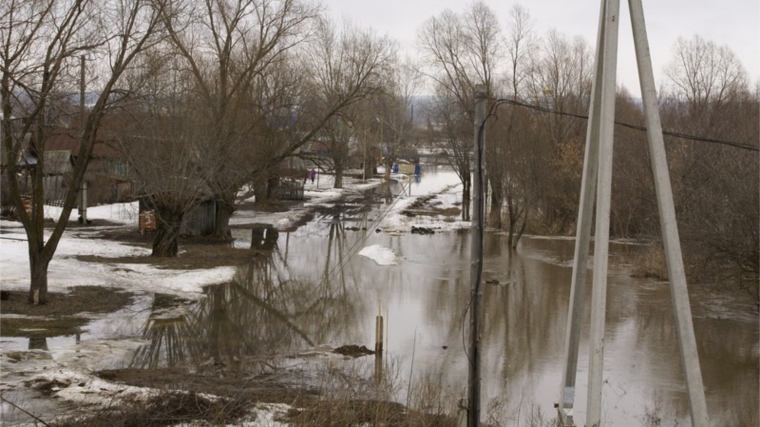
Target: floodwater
[(318, 291), (309, 287)]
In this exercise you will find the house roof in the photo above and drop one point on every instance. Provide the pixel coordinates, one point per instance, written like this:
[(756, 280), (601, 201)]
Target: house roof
[(57, 162), (67, 139), (316, 146)]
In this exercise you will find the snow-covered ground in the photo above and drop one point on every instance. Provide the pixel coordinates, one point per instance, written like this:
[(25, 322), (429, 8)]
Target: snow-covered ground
[(380, 254), (66, 271), (68, 362)]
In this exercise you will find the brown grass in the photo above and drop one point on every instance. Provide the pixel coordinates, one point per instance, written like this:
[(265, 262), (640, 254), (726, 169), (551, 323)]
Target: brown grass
[(650, 263), (56, 317), (164, 409)]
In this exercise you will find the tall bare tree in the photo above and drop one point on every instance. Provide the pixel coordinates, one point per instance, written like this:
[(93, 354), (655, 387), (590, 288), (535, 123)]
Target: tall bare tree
[(238, 53), (228, 45), (452, 133), (560, 80), (401, 84), (513, 145), (41, 41), (715, 185), (162, 137), (348, 65), (521, 43), (463, 50)]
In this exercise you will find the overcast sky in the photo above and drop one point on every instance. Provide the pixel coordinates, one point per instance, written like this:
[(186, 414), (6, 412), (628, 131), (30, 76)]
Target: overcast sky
[(735, 23)]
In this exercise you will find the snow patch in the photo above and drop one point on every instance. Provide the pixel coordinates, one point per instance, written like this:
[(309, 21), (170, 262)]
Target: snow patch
[(380, 254)]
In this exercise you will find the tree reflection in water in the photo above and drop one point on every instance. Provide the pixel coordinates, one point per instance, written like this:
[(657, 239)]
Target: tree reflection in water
[(265, 310)]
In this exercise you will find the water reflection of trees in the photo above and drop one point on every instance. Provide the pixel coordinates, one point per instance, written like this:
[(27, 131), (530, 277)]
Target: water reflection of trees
[(264, 310), (522, 316)]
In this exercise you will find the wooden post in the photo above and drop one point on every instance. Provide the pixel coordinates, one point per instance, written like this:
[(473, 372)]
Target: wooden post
[(379, 334)]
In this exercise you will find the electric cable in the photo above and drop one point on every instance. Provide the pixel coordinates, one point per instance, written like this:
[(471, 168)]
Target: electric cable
[(628, 125)]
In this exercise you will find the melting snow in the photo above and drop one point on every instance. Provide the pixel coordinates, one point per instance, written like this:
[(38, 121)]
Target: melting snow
[(380, 254)]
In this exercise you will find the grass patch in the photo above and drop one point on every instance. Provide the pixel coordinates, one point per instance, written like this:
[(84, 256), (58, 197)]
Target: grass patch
[(227, 382), (165, 409), (79, 299), (57, 316), (650, 263), (196, 256)]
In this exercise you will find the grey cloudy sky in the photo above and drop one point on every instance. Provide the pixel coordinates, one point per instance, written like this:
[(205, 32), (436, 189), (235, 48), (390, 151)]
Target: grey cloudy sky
[(735, 23)]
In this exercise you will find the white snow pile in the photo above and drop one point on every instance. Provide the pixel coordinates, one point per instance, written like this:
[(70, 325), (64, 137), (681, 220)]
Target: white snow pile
[(380, 254), (66, 271)]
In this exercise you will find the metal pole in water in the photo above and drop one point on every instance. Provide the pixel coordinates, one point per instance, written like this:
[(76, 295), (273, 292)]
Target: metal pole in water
[(476, 260), (673, 256)]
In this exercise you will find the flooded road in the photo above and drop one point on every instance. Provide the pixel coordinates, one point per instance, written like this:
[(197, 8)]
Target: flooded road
[(323, 293), (309, 287)]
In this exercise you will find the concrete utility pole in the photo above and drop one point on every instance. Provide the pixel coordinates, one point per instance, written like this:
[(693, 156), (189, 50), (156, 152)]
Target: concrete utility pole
[(599, 142), (583, 235), (687, 342), (476, 260)]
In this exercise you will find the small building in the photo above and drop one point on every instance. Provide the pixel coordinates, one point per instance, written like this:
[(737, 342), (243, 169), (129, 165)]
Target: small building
[(200, 221)]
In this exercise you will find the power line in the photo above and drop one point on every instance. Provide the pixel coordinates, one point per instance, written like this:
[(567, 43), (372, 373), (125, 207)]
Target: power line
[(628, 125)]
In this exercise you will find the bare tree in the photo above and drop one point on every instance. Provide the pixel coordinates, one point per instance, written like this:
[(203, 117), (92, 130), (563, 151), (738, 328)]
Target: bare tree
[(452, 133), (521, 44), (227, 46), (338, 134), (463, 50), (705, 76), (715, 185), (395, 106), (512, 145), (238, 53), (560, 80), (163, 139), (41, 42)]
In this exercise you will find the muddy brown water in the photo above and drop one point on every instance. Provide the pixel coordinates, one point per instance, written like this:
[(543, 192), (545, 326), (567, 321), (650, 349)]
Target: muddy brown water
[(309, 287)]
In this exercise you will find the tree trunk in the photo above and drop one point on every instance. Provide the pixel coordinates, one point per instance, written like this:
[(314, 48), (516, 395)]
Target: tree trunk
[(338, 173), (38, 263), (388, 167), (166, 242), (370, 168), (466, 200), (511, 220), (520, 232), (272, 183), (260, 189), (497, 199), (224, 211)]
